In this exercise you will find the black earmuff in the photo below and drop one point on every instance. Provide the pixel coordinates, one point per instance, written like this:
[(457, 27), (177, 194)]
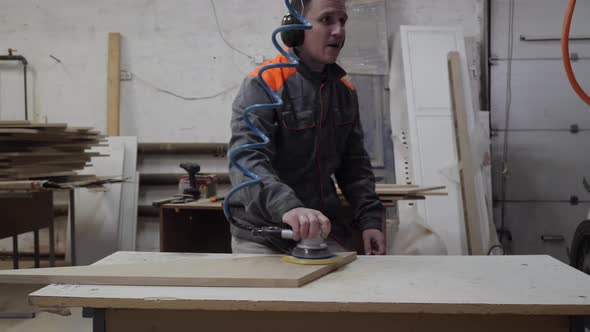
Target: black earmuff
[(292, 38)]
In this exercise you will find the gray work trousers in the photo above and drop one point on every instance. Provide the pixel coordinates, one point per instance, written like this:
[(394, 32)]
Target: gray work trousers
[(241, 246)]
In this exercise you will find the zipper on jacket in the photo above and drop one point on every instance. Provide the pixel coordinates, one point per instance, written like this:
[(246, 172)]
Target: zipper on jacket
[(318, 149)]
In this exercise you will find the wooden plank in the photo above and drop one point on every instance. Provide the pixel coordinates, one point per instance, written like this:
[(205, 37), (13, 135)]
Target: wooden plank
[(37, 175), (394, 185), (14, 123), (29, 124), (45, 161), (45, 139), (21, 185), (81, 129), (225, 271), (475, 219), (18, 131), (113, 84), (490, 285), (33, 155), (38, 169), (205, 204), (401, 190)]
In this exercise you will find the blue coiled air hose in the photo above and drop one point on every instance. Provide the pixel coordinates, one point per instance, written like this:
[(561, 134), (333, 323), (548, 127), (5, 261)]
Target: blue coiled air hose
[(255, 179)]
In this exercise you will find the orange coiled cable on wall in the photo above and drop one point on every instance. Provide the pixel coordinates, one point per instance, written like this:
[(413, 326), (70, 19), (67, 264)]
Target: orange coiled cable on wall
[(565, 52)]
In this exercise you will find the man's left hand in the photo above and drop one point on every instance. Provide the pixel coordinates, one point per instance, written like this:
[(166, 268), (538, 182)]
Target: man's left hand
[(374, 242)]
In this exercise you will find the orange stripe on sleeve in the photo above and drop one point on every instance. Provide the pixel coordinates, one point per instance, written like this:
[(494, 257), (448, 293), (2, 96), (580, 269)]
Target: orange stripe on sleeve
[(348, 84), (276, 77)]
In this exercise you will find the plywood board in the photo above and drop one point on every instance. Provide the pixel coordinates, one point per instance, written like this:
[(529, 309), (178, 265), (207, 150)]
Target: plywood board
[(97, 212), (520, 285), (225, 271), (129, 195)]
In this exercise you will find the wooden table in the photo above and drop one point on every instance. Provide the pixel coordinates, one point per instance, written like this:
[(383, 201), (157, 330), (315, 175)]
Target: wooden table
[(24, 212), (377, 293), (30, 210), (198, 226), (201, 226)]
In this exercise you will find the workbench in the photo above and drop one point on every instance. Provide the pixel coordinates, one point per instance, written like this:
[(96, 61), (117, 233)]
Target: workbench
[(30, 210), (200, 226), (380, 293), (24, 212)]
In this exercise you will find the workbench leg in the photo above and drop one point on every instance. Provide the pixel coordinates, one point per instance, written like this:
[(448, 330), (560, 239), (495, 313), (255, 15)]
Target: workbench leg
[(98, 318), (15, 252), (52, 243), (15, 258), (72, 227), (577, 324), (36, 244)]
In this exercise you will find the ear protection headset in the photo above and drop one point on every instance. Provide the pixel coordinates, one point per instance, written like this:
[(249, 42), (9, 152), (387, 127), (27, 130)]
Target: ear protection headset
[(292, 38)]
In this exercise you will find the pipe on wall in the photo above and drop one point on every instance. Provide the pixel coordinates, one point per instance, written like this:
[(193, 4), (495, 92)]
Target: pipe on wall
[(24, 61), (485, 56), (215, 149)]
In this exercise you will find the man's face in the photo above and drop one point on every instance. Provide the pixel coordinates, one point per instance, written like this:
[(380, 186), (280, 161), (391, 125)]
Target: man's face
[(323, 42)]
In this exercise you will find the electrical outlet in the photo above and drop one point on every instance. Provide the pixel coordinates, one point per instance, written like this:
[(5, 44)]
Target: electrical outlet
[(125, 75)]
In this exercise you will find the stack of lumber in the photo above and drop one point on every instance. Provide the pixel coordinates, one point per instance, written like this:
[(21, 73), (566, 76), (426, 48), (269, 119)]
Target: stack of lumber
[(32, 151), (389, 193), (386, 190)]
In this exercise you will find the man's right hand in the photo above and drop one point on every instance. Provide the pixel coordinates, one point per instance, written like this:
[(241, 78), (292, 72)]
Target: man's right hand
[(307, 223)]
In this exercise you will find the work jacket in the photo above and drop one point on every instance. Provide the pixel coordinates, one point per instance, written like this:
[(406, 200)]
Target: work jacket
[(315, 138)]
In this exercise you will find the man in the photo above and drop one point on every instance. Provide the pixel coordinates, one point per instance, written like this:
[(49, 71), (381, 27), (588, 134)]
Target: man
[(316, 134)]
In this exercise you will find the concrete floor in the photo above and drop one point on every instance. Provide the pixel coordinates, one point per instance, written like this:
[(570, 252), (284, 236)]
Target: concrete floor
[(13, 298)]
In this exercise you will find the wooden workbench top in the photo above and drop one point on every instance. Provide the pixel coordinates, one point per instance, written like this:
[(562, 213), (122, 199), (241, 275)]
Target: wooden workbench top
[(205, 204), (399, 284), (200, 204)]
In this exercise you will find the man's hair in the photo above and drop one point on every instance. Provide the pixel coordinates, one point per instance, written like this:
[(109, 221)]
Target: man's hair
[(300, 5)]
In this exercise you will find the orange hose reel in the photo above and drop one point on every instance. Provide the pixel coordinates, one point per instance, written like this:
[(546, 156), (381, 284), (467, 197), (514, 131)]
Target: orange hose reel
[(565, 52)]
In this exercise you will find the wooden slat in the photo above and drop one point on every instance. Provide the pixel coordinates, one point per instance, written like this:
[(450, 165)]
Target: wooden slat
[(22, 185), (227, 271), (18, 131), (473, 218), (53, 154), (403, 190), (38, 175), (395, 185), (29, 124), (113, 84), (34, 169)]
